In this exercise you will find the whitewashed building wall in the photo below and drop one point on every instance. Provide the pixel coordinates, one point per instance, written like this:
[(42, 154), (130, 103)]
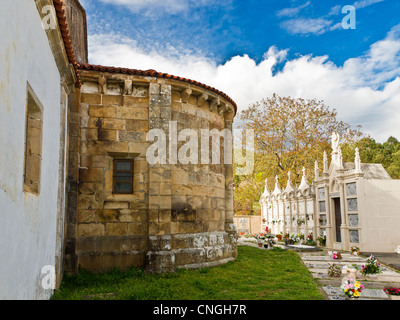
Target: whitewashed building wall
[(29, 223)]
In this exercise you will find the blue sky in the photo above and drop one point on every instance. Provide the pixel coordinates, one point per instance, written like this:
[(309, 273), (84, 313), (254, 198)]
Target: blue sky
[(251, 49)]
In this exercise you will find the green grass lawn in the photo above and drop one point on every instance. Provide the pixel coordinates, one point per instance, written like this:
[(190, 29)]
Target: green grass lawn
[(255, 275)]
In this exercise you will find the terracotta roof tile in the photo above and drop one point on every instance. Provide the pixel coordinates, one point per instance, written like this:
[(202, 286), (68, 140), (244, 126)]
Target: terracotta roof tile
[(62, 22), (153, 73)]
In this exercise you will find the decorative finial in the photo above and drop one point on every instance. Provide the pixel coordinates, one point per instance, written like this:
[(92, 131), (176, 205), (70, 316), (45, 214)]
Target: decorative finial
[(325, 162), (357, 160), (289, 174), (340, 157), (316, 170)]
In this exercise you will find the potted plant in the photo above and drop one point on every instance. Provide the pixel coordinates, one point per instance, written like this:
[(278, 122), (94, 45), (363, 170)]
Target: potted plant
[(270, 240), (371, 267), (352, 289), (393, 292), (286, 239), (260, 239), (322, 240), (301, 221), (279, 236), (294, 239), (310, 237)]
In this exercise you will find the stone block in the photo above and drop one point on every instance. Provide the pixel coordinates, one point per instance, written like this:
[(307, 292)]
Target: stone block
[(186, 227), (161, 261), (106, 135), (90, 174), (108, 215), (91, 98), (89, 261), (132, 136), (137, 125), (95, 161), (136, 228), (136, 242), (91, 229), (87, 201), (87, 216), (160, 243), (132, 259), (116, 229), (102, 147), (113, 100), (114, 124), (116, 205), (102, 111), (138, 147), (132, 113), (89, 134), (164, 216), (158, 228), (153, 215), (190, 256), (138, 102)]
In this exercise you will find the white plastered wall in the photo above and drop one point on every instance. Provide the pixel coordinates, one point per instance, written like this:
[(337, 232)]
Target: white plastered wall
[(28, 223), (380, 215)]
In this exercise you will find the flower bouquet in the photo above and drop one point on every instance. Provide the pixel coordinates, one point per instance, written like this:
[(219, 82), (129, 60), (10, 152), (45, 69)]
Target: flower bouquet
[(334, 270), (393, 291), (355, 250), (336, 255), (260, 238), (294, 238), (352, 288), (371, 267)]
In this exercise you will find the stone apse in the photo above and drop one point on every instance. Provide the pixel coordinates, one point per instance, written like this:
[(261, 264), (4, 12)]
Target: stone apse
[(124, 211)]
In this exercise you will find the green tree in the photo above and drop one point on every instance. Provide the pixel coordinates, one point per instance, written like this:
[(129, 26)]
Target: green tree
[(289, 134), (387, 154)]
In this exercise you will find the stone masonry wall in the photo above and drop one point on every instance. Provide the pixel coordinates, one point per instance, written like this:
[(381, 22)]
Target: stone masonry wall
[(179, 215)]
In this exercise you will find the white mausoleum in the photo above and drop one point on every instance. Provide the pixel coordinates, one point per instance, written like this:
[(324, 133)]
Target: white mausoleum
[(352, 204)]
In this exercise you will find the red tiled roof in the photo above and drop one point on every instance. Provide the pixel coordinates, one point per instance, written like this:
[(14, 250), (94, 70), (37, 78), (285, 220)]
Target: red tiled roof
[(153, 73), (62, 22)]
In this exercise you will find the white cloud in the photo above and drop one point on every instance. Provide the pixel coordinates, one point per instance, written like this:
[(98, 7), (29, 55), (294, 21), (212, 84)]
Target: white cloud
[(365, 3), (335, 10), (291, 12), (156, 7), (365, 90), (306, 26)]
